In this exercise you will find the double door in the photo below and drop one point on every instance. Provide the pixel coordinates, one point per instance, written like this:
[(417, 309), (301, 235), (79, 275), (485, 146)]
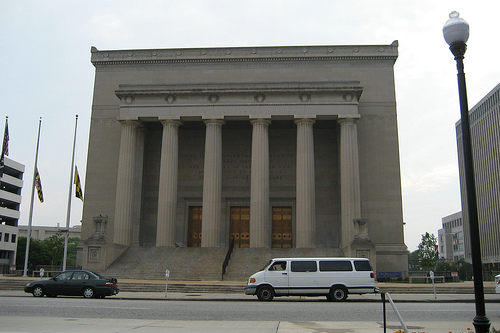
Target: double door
[(239, 227)]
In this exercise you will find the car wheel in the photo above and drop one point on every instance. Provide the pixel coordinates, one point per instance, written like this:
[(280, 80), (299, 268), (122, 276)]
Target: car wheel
[(89, 292), (38, 291), (265, 293), (338, 294)]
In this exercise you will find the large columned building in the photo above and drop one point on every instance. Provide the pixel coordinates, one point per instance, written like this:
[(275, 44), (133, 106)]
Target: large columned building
[(274, 147)]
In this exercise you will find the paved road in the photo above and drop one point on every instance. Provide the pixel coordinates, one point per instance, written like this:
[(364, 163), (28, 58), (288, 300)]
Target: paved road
[(155, 314), (286, 310)]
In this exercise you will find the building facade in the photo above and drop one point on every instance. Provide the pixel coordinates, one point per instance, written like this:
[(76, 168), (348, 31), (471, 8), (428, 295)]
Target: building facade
[(41, 233), (451, 238), (485, 136), (11, 184), (291, 147)]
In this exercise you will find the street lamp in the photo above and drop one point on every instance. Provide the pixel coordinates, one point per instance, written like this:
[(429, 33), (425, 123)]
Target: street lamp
[(456, 34)]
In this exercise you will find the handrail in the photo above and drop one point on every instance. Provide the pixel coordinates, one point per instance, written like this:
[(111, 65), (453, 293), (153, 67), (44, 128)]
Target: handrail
[(228, 256), (383, 296)]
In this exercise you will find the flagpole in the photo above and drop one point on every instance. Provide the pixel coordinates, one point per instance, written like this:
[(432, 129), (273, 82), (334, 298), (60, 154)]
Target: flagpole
[(30, 220), (68, 215)]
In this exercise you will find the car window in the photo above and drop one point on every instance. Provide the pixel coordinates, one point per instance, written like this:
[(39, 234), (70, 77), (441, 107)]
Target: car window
[(362, 265), (63, 276), (94, 275), (278, 266), (304, 266), (80, 276), (335, 266)]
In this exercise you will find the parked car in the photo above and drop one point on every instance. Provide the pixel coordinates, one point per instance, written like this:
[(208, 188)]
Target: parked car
[(334, 278), (497, 284), (74, 283)]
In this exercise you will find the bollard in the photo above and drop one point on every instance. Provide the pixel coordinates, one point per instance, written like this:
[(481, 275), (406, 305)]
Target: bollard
[(167, 274), (382, 295), (431, 273)]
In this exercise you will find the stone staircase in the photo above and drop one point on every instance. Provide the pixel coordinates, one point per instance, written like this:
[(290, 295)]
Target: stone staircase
[(184, 264), (200, 264), (245, 262)]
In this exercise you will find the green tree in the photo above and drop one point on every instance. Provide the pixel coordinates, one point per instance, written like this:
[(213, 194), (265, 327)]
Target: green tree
[(426, 251), (414, 261), (37, 255), (54, 247), (50, 251)]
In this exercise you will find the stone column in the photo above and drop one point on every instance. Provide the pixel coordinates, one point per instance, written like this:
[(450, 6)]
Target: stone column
[(259, 191), (212, 184), (306, 198), (350, 202), (125, 184), (167, 196)]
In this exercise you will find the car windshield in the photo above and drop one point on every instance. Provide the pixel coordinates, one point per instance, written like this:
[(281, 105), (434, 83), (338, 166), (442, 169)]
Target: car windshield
[(266, 265)]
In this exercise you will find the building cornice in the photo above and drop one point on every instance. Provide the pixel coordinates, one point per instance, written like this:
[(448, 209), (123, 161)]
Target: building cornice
[(245, 54)]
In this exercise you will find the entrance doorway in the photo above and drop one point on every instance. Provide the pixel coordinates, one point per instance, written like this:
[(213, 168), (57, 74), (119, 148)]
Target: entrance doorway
[(240, 226), (282, 227), (194, 226)]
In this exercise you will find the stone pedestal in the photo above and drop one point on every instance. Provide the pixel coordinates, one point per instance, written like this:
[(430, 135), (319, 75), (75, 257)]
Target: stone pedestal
[(362, 246)]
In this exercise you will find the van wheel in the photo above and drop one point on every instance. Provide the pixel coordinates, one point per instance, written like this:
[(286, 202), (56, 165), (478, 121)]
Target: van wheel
[(265, 293), (337, 294)]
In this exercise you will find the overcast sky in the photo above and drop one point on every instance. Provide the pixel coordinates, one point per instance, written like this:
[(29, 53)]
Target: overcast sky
[(46, 72)]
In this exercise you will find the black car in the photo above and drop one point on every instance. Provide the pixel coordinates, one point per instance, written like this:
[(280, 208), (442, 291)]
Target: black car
[(74, 283)]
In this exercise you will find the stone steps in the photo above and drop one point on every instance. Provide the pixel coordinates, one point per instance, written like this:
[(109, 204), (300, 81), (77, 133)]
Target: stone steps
[(245, 262), (186, 264)]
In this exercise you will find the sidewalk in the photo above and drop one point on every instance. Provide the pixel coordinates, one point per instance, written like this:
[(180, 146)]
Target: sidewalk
[(81, 325)]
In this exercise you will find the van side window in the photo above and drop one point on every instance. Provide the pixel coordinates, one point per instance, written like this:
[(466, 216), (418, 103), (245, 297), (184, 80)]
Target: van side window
[(363, 266), (335, 266), (278, 266), (304, 266)]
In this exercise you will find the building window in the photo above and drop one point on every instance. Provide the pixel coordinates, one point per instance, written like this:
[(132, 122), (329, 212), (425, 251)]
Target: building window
[(13, 239), (6, 239)]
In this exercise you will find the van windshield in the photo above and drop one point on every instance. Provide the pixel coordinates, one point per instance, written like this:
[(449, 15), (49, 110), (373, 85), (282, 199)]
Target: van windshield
[(266, 265)]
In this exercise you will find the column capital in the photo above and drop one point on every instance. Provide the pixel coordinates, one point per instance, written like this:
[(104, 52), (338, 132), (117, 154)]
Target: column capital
[(304, 121), (166, 122), (214, 121), (342, 119), (131, 122), (264, 121)]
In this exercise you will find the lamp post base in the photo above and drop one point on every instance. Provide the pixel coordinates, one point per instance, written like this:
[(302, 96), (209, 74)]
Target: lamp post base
[(482, 324)]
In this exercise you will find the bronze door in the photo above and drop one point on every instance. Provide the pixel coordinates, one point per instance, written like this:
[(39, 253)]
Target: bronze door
[(194, 227), (240, 226), (282, 227)]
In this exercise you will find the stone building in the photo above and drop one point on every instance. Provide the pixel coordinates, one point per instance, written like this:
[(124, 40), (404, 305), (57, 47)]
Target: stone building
[(484, 120), (274, 147)]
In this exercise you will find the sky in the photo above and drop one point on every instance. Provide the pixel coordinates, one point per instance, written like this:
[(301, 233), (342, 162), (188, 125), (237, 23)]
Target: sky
[(46, 72)]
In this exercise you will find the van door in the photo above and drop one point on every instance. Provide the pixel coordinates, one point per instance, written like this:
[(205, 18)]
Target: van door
[(303, 279), (277, 276)]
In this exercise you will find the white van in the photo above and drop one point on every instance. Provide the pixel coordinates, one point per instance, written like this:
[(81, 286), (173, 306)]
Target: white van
[(497, 284), (334, 278)]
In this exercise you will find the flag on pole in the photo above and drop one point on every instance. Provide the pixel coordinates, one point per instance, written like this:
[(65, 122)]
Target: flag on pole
[(5, 146), (78, 185), (38, 185)]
